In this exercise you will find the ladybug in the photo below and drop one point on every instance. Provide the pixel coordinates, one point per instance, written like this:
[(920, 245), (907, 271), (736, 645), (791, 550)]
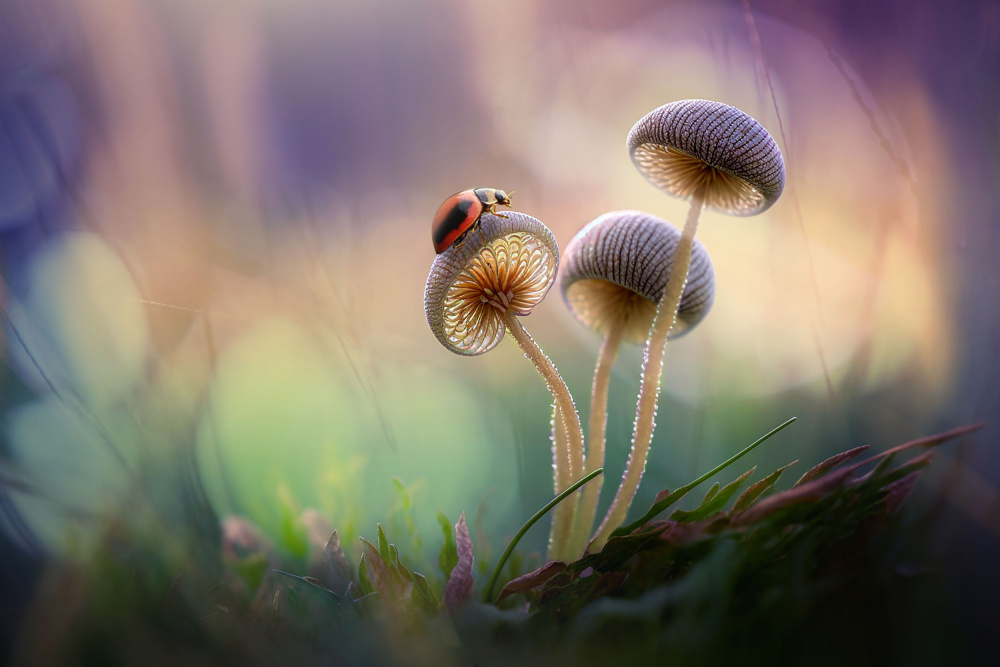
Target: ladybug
[(460, 214)]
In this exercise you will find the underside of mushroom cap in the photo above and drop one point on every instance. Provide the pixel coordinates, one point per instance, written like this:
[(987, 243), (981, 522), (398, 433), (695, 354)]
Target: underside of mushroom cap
[(508, 263), (689, 144), (616, 268)]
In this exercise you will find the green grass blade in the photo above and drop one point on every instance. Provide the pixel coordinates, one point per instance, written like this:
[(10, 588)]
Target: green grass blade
[(491, 584), (656, 508)]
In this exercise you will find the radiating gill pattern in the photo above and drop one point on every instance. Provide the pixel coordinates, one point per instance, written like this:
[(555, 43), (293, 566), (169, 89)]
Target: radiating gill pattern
[(512, 272)]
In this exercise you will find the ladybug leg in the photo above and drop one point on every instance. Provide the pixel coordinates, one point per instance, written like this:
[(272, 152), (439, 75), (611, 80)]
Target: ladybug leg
[(492, 208)]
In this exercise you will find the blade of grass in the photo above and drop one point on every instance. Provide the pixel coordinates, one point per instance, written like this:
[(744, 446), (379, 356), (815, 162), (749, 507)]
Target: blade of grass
[(656, 508), (491, 584)]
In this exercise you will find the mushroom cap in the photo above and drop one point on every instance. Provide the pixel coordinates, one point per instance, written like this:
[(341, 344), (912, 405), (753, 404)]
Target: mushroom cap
[(683, 145), (617, 267), (509, 263)]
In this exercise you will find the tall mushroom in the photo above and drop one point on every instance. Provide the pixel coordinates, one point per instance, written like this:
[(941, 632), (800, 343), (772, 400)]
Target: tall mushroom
[(477, 291), (614, 273), (720, 157)]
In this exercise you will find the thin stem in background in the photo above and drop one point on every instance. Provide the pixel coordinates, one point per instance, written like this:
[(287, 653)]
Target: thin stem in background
[(652, 369), (596, 438)]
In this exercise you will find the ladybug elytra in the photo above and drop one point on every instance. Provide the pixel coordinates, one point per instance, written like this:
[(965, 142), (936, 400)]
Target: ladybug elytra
[(460, 214)]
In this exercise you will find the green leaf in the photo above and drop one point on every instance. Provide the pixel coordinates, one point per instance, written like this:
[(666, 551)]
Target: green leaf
[(714, 501), (423, 595), (366, 585), (383, 544), (293, 532), (449, 552), (672, 498), (756, 490), (711, 493), (384, 577), (404, 495)]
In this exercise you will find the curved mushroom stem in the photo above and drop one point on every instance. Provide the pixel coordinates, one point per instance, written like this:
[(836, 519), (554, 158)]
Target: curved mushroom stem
[(596, 438), (569, 462), (652, 368)]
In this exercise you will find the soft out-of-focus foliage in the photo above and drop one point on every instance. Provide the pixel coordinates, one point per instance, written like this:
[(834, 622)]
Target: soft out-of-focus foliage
[(682, 588), (214, 235)]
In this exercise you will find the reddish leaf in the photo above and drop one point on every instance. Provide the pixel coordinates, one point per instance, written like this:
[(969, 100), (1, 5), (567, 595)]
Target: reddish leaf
[(897, 491), (808, 492), (526, 582), (683, 533), (459, 587), (831, 463), (929, 441), (880, 472), (338, 560), (662, 495)]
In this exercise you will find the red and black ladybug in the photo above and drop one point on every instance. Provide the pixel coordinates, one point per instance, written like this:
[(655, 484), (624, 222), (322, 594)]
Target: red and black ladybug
[(460, 214)]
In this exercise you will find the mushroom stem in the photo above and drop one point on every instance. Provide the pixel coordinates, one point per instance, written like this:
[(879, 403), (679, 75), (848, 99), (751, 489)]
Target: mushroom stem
[(562, 517), (652, 368), (596, 437), (568, 463)]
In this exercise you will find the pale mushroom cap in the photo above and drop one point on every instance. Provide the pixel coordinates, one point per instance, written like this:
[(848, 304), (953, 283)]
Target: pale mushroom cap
[(508, 263), (689, 143), (617, 266)]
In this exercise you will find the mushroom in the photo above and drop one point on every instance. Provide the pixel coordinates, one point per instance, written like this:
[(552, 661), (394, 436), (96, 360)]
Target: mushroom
[(720, 157), (475, 292), (614, 273)]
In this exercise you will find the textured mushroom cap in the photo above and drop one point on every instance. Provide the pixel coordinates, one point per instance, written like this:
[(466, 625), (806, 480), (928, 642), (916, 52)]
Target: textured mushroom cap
[(507, 264), (689, 143), (617, 267)]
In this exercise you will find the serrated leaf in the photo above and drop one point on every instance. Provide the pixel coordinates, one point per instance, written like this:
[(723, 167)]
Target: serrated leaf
[(527, 582), (929, 441), (808, 492), (715, 500), (829, 464), (656, 508), (755, 490), (459, 587), (619, 549), (383, 544), (449, 554), (882, 477)]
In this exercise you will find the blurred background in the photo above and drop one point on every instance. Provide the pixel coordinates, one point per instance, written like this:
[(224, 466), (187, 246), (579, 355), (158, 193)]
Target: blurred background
[(214, 237)]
